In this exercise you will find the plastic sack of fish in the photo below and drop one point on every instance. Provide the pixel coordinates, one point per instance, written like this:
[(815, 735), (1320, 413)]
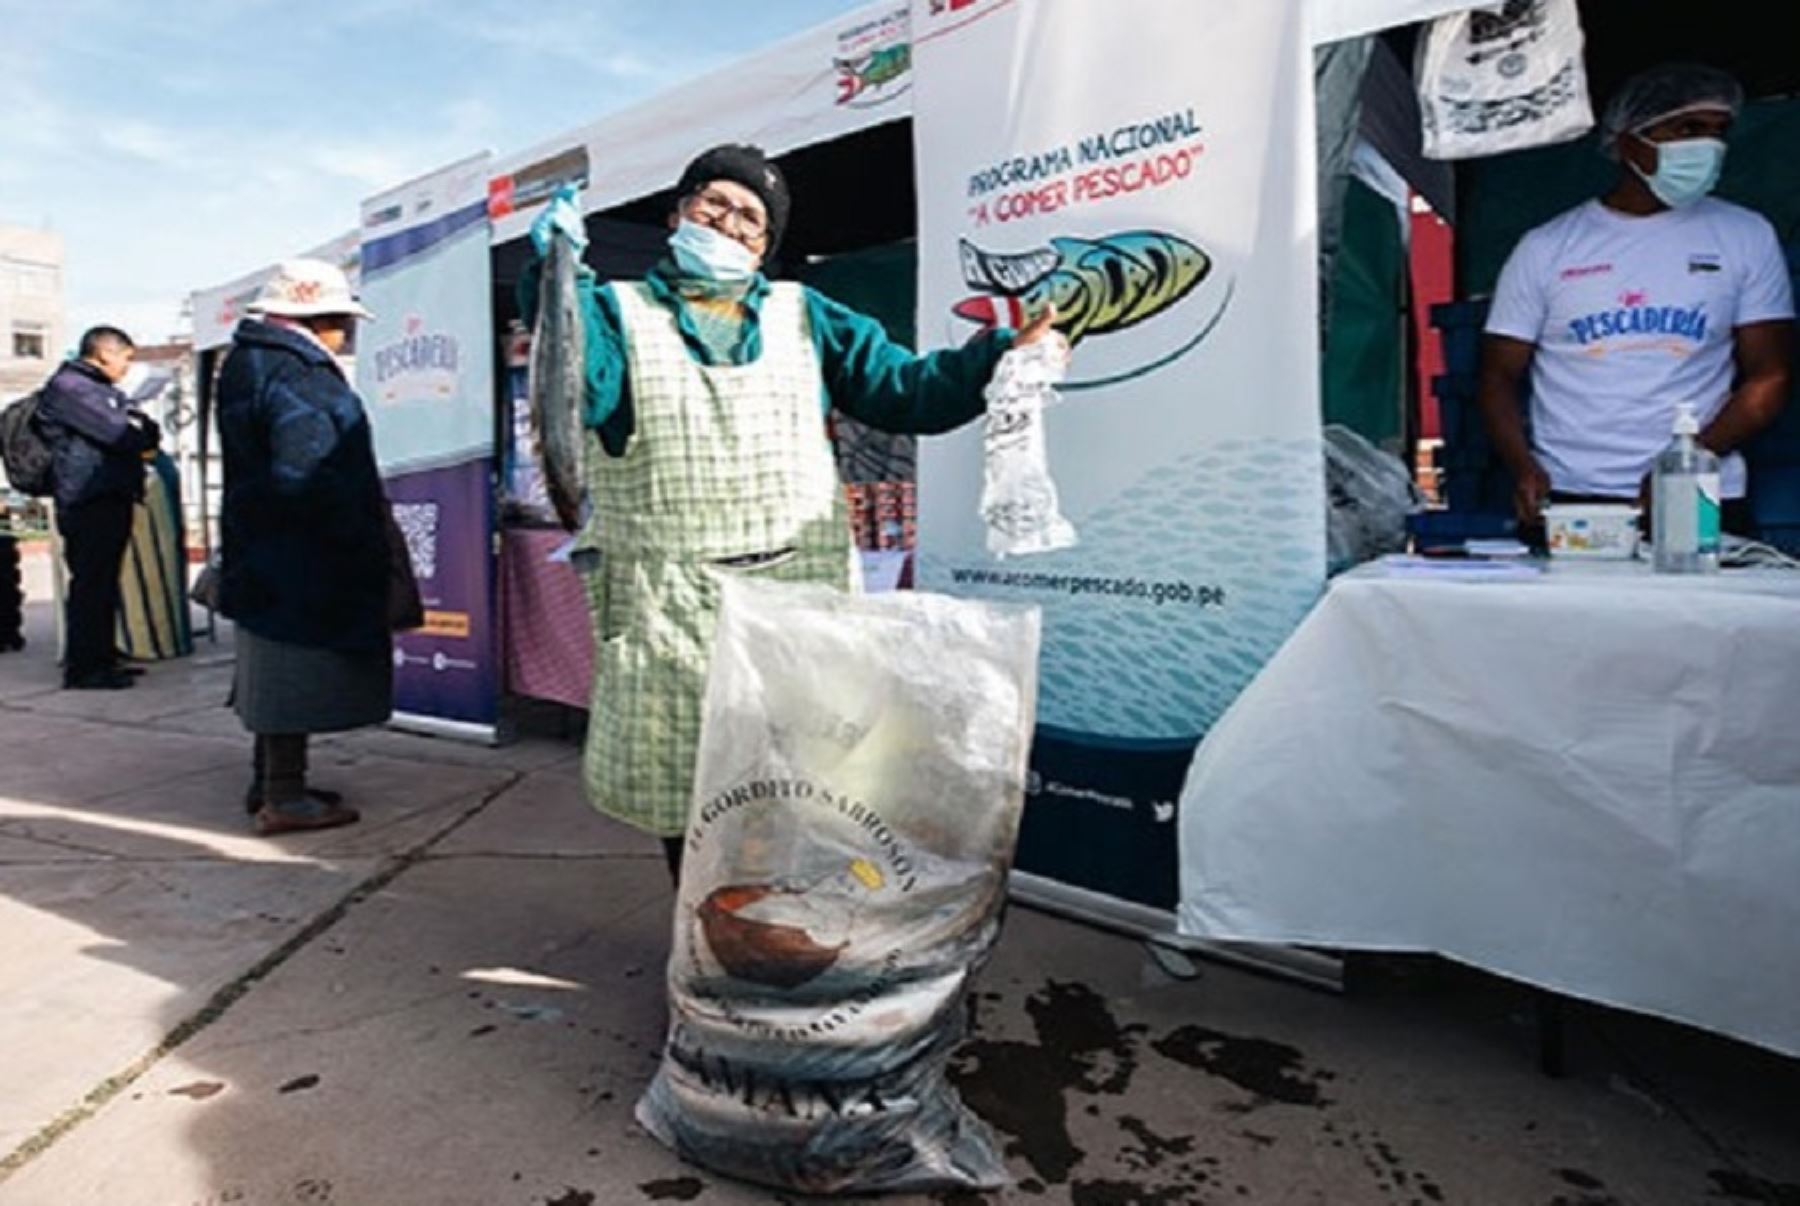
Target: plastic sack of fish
[(857, 800), (1368, 496), (1018, 496)]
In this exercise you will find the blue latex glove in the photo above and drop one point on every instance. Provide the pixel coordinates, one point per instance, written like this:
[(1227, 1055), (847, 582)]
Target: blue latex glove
[(562, 215)]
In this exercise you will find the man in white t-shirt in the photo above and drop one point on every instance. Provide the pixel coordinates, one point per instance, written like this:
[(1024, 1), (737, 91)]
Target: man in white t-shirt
[(1650, 295)]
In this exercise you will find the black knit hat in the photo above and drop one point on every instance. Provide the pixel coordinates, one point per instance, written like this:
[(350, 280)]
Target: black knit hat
[(748, 166)]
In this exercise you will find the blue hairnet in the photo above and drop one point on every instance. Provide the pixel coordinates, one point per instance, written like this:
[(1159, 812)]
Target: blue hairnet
[(1650, 96)]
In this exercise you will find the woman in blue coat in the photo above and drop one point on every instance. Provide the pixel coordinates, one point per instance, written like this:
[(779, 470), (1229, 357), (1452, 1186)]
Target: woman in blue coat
[(304, 571)]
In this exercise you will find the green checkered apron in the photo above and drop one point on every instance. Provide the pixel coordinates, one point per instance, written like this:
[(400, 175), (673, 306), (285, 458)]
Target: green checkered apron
[(728, 464)]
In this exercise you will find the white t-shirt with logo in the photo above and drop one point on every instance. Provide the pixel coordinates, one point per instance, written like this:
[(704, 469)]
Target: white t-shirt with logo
[(1630, 316)]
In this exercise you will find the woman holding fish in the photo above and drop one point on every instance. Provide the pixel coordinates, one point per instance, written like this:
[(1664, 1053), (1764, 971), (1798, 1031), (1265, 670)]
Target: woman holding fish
[(694, 402)]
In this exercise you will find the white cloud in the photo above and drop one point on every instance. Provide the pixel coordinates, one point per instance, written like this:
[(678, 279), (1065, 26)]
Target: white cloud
[(142, 140)]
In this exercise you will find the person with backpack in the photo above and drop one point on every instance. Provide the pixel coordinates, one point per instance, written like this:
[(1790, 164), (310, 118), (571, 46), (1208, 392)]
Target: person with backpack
[(97, 442)]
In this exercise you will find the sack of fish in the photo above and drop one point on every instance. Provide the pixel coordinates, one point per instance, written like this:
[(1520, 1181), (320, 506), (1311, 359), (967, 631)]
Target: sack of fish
[(1018, 497), (856, 806)]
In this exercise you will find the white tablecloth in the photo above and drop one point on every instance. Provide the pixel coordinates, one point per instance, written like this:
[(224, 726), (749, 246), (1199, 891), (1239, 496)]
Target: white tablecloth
[(1589, 781)]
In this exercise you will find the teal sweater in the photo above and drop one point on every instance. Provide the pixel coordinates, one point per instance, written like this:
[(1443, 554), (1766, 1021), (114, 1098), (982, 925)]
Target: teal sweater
[(865, 374)]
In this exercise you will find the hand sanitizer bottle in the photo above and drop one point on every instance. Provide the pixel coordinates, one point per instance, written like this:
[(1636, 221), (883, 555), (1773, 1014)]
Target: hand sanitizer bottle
[(1685, 490)]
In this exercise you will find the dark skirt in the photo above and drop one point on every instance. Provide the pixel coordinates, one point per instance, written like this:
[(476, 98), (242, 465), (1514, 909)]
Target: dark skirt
[(283, 688)]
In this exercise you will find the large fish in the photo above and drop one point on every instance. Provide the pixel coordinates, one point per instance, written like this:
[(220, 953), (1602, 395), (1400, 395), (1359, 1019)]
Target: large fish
[(1098, 286), (558, 380), (877, 69)]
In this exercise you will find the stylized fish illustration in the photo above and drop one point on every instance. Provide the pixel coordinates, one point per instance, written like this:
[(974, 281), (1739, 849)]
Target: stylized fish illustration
[(1098, 286), (877, 69), (557, 384)]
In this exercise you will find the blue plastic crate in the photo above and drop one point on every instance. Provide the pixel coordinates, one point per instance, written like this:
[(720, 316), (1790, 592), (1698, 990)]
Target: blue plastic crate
[(1459, 323), (1775, 494), (1454, 527), (1785, 537)]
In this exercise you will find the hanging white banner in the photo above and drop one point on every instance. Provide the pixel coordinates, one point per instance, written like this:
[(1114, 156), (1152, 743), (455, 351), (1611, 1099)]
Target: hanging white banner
[(1153, 179)]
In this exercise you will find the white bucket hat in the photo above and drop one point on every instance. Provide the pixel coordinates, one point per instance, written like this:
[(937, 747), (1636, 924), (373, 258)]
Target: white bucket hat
[(305, 289)]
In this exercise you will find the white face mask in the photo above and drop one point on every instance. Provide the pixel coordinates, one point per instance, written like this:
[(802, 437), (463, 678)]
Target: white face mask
[(704, 252), (1686, 170)]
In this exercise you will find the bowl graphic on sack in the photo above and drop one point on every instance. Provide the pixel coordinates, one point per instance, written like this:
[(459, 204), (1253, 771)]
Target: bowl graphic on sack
[(784, 935)]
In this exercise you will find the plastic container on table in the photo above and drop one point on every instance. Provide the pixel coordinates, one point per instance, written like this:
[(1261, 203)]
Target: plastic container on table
[(1602, 531)]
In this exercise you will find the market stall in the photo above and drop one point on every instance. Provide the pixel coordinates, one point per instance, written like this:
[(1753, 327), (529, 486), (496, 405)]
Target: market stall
[(1572, 778), (842, 106), (1182, 226)]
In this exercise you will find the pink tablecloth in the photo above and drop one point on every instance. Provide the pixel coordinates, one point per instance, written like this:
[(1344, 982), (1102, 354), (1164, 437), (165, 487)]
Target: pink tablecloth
[(548, 641), (547, 638)]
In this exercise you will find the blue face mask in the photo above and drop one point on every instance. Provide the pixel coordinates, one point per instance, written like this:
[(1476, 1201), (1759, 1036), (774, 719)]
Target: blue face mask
[(1686, 170), (703, 252)]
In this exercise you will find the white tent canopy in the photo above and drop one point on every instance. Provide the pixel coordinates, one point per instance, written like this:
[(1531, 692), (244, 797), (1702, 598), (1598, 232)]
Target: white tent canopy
[(792, 95), (789, 96), (1335, 20)]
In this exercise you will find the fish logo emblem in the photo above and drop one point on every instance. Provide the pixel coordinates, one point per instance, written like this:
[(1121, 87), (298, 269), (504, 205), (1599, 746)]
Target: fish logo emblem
[(860, 78), (1098, 286)]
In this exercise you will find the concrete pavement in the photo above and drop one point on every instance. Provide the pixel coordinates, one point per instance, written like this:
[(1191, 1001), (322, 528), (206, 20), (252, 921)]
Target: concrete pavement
[(458, 1000)]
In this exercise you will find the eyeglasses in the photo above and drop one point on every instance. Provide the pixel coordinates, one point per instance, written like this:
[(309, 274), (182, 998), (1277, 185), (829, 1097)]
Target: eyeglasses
[(712, 206)]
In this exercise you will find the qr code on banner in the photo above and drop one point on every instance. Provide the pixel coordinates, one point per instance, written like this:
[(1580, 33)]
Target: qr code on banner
[(419, 524)]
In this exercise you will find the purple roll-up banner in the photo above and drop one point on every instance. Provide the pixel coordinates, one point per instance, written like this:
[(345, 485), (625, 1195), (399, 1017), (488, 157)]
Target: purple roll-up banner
[(449, 669)]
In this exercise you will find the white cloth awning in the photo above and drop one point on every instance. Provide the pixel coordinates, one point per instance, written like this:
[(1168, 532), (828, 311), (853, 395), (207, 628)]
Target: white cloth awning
[(797, 93), (1335, 20)]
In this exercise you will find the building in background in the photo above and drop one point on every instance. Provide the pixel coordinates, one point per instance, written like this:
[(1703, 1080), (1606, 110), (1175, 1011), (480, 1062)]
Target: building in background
[(32, 338)]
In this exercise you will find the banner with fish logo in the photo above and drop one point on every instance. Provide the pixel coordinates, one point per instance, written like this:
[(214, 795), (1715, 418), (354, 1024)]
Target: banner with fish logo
[(874, 60), (1151, 179), (425, 371)]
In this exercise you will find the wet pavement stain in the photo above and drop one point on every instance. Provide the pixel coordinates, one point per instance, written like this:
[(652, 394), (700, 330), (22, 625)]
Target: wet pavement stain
[(1021, 1089), (1593, 1190), (1388, 1171), (300, 1083), (673, 1189), (1129, 1193), (1153, 1149), (1729, 1183), (1271, 1071)]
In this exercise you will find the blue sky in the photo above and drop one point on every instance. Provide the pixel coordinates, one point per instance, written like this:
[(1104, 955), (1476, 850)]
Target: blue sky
[(176, 145)]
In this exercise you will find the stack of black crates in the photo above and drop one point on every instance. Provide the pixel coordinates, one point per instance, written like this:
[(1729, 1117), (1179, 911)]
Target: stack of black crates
[(12, 595), (1476, 488)]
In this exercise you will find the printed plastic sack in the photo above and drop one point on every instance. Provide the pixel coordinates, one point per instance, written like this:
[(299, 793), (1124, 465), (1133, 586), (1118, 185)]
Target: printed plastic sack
[(1018, 498), (856, 806), (1370, 494), (1501, 78)]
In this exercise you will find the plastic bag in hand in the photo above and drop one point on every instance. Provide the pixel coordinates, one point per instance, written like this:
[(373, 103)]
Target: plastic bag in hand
[(1018, 499)]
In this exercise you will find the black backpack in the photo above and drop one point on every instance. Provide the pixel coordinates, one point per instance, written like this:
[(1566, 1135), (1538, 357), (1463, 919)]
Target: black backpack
[(27, 456)]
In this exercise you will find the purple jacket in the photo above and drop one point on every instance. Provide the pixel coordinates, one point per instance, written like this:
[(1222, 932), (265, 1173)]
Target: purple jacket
[(96, 445)]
